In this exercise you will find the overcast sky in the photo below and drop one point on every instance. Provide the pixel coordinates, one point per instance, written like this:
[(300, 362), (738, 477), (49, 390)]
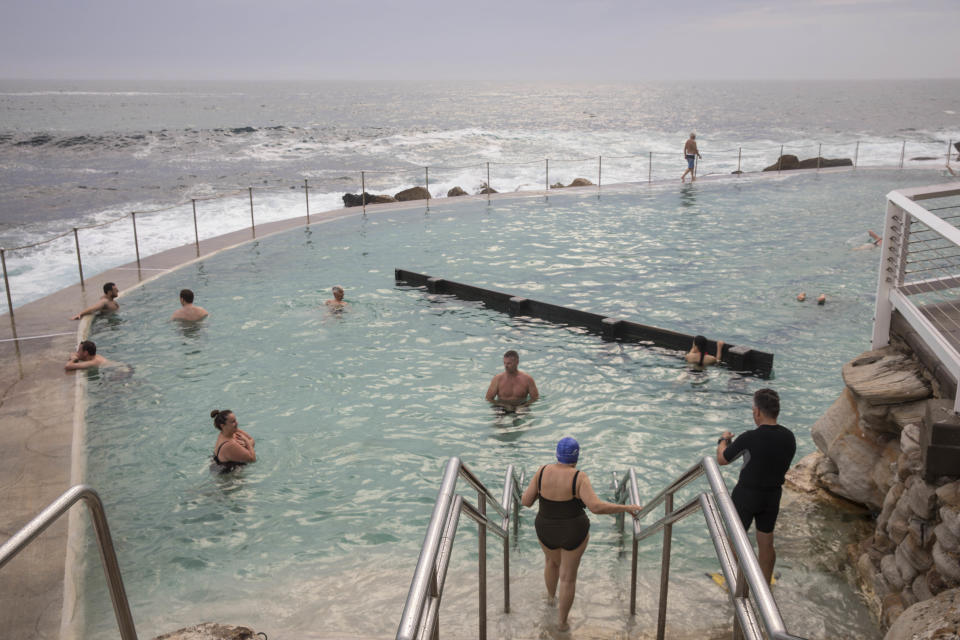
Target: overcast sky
[(570, 40)]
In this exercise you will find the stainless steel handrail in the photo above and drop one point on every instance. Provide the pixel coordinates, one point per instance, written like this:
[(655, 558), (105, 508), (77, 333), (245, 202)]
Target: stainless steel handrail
[(108, 556), (739, 564), (420, 612)]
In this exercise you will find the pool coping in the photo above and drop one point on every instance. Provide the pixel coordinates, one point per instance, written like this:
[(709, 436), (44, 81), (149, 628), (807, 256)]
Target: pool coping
[(42, 408)]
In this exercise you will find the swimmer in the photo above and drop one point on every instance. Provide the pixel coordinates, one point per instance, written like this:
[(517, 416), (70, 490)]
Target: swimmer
[(85, 358), (512, 388), (106, 304), (234, 447), (188, 312), (563, 527), (698, 352), (822, 299), (876, 238), (337, 301), (801, 296)]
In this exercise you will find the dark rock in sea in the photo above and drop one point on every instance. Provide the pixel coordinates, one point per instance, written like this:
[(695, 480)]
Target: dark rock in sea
[(413, 193), (485, 188), (243, 130), (456, 191), (788, 162), (956, 145), (737, 172), (356, 200), (923, 158), (558, 185), (580, 182), (35, 141)]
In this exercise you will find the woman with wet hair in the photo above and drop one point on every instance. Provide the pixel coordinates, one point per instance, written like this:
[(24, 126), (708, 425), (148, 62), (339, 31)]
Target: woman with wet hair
[(698, 352), (234, 447)]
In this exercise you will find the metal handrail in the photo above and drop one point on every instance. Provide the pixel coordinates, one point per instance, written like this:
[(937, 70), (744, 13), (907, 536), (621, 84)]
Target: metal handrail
[(108, 556), (737, 561), (420, 612)]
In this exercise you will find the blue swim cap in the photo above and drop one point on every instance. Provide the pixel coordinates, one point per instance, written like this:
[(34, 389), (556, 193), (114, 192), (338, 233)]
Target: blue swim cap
[(568, 450)]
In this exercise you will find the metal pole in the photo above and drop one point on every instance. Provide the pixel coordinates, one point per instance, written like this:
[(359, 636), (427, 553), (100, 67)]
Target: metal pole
[(547, 179), (482, 549), (136, 243), (196, 233), (306, 192), (599, 170), (6, 285), (856, 154), (488, 182), (253, 227), (506, 570), (903, 150), (633, 578), (76, 240), (426, 177), (819, 154), (650, 167), (780, 160), (665, 569), (739, 156), (949, 144)]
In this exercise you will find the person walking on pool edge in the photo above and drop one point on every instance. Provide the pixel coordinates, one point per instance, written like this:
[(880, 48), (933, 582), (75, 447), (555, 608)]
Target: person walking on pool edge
[(767, 453), (690, 154)]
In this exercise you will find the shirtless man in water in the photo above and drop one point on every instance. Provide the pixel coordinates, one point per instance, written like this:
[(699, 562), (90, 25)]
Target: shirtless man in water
[(86, 357), (512, 388), (106, 304), (188, 311)]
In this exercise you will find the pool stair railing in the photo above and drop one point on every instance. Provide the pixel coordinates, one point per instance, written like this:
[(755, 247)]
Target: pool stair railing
[(108, 556), (737, 358), (420, 618), (756, 614)]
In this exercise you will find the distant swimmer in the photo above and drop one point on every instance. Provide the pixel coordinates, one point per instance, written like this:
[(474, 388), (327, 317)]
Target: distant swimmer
[(512, 388), (822, 299), (337, 301), (698, 352), (86, 357), (234, 447), (106, 304), (188, 312), (690, 154), (876, 238), (802, 296)]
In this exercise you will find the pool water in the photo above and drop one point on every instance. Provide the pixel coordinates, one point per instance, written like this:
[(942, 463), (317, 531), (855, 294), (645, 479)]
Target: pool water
[(356, 413)]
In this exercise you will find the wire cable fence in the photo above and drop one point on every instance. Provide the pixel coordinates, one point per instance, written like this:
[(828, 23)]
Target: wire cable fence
[(535, 174)]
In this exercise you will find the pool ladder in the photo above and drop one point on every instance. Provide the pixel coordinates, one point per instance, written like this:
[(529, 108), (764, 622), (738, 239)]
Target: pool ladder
[(756, 613)]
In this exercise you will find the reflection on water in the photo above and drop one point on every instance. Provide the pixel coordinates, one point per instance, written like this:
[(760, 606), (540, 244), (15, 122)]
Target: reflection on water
[(355, 414)]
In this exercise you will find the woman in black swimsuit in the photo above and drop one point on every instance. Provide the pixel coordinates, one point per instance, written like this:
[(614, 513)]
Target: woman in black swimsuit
[(562, 524), (234, 447)]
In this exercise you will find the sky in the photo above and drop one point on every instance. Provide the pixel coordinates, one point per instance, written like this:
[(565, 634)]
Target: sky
[(489, 40)]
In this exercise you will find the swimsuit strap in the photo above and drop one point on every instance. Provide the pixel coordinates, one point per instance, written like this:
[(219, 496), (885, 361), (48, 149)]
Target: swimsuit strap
[(540, 478), (216, 455), (574, 487)]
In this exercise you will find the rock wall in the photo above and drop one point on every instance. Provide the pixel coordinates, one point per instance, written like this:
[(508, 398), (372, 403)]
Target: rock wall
[(869, 443)]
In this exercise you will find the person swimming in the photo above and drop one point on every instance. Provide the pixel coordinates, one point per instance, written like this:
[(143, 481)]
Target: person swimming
[(234, 447), (698, 352)]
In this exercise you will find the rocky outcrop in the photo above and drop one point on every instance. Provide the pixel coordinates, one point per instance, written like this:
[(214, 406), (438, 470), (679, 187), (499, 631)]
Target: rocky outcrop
[(485, 188), (937, 618), (456, 191), (357, 200), (577, 182), (413, 193), (789, 162), (210, 631)]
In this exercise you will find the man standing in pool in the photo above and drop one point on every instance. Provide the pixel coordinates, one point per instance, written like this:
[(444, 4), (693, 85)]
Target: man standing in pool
[(188, 312), (767, 453), (106, 304), (690, 154), (512, 388)]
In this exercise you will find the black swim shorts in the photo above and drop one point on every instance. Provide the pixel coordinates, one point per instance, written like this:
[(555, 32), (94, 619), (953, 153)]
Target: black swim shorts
[(761, 505)]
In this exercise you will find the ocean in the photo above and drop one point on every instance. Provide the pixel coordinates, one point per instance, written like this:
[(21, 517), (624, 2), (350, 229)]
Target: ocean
[(74, 154)]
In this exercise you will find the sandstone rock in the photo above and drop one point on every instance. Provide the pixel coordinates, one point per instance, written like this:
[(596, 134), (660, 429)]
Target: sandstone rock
[(920, 589), (891, 608), (839, 420), (889, 504), (912, 559), (910, 439), (802, 477), (885, 376), (891, 573), (581, 182), (950, 517), (876, 418), (209, 631), (866, 569), (946, 539), (884, 473), (920, 532), (908, 598), (922, 499), (882, 544), (356, 199), (786, 162), (812, 163), (558, 185), (456, 191), (908, 413), (413, 193), (935, 619), (485, 188), (950, 494), (936, 583), (855, 458), (946, 563), (897, 527)]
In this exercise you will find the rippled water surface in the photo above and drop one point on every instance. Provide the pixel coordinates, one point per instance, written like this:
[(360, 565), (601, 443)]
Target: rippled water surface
[(356, 413)]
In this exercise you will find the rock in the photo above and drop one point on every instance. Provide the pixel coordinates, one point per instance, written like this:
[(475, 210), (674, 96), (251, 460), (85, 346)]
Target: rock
[(950, 494), (912, 559), (840, 419), (381, 199), (922, 499), (885, 376), (210, 631), (910, 439), (802, 477), (924, 158), (558, 185), (891, 608), (413, 193), (356, 200), (456, 191), (891, 573), (908, 598), (581, 182), (855, 458), (784, 163), (884, 473), (889, 504), (950, 517), (935, 619), (485, 188), (946, 563), (920, 589), (897, 527), (866, 569), (946, 539), (813, 163), (908, 413), (876, 418)]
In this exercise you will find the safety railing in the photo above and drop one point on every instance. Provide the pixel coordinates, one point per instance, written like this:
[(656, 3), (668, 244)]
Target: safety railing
[(627, 168), (420, 617), (919, 272), (108, 556), (756, 613)]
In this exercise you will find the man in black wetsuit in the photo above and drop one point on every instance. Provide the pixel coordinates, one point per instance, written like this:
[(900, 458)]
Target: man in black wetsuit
[(767, 453)]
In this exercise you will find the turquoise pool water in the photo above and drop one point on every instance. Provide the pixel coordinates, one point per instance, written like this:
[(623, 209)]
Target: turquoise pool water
[(356, 413)]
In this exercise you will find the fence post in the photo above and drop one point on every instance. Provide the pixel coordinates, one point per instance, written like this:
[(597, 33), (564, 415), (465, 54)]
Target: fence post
[(650, 168), (363, 190), (489, 188), (426, 178), (739, 155), (856, 154), (599, 171), (819, 154), (253, 227), (949, 144), (136, 243), (6, 286), (306, 192), (547, 179), (482, 551), (196, 233), (780, 159), (903, 150), (76, 241)]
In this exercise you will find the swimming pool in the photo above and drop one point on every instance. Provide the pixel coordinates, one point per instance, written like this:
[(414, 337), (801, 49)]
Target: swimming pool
[(356, 413)]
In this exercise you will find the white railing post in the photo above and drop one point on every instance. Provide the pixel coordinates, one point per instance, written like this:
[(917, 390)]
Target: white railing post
[(893, 254)]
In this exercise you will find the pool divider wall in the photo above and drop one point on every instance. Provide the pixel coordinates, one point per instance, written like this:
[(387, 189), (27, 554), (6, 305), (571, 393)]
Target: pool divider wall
[(737, 358)]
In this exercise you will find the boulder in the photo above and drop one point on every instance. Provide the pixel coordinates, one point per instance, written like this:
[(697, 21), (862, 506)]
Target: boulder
[(413, 193), (788, 162), (802, 476), (891, 573), (210, 631), (357, 200), (891, 608), (908, 413), (889, 504), (950, 516), (485, 188), (920, 588), (558, 185), (935, 619), (581, 182), (922, 499), (946, 563), (840, 419), (884, 472), (949, 494), (885, 376), (924, 158), (856, 459), (912, 559), (946, 539), (784, 163), (456, 191)]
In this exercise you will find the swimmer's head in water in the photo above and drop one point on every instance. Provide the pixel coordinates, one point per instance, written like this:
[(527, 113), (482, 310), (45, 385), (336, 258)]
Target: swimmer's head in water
[(107, 288), (700, 342), (337, 292), (186, 295), (220, 417), (568, 451), (89, 347)]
